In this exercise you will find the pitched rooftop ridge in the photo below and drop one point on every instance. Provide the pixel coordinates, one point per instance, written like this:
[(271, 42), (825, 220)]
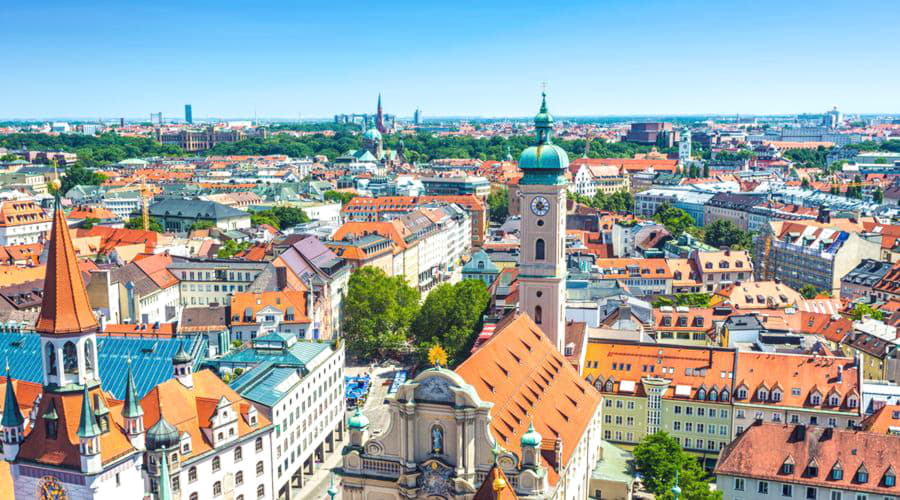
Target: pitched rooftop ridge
[(65, 307)]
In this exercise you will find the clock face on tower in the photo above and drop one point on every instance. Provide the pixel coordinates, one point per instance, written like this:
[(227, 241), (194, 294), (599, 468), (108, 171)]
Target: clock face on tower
[(540, 206)]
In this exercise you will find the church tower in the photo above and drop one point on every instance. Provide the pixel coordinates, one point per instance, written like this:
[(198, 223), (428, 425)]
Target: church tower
[(379, 117), (542, 253)]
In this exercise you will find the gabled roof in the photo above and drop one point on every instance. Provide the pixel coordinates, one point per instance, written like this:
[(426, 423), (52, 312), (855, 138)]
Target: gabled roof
[(527, 379), (65, 307)]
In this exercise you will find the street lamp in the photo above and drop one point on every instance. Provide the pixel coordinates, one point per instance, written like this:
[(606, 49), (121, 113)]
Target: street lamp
[(332, 491), (675, 489)]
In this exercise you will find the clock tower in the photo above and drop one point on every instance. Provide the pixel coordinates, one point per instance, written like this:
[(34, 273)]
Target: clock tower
[(542, 252)]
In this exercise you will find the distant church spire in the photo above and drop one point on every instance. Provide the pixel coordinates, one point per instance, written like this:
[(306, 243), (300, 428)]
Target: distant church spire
[(379, 117)]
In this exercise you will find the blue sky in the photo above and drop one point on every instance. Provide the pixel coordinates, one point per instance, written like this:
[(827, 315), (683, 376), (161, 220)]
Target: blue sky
[(485, 58)]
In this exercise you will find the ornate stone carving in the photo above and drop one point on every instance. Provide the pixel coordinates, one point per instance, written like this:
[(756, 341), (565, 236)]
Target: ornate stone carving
[(434, 390), (435, 480)]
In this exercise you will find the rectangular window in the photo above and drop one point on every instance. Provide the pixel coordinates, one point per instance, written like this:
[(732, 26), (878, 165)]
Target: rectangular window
[(739, 484), (787, 490), (811, 493), (762, 487)]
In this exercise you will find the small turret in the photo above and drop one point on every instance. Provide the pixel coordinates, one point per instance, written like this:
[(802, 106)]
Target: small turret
[(358, 425), (12, 432), (531, 448), (133, 413), (182, 364), (165, 486), (89, 437)]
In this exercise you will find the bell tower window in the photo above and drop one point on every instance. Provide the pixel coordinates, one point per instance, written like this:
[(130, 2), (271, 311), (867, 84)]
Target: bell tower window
[(70, 358), (539, 249), (89, 356), (51, 358), (538, 313)]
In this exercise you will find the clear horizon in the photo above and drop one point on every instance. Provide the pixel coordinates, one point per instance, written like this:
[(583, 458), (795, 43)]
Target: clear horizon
[(284, 60)]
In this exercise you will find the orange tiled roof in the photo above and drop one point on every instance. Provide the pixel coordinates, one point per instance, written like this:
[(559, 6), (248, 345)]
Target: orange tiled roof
[(65, 307), (21, 212), (527, 379), (884, 421), (63, 451), (241, 302), (799, 376), (760, 295), (393, 230), (189, 410), (112, 237)]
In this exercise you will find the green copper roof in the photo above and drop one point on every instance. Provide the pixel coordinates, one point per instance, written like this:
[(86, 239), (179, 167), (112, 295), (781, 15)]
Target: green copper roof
[(162, 435), (372, 134), (51, 414), (543, 155), (182, 356), (358, 420), (87, 427), (165, 487), (12, 416), (132, 408), (531, 438)]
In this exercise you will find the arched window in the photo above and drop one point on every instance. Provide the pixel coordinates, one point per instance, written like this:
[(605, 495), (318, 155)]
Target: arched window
[(437, 439), (259, 444), (539, 249), (217, 488), (192, 476), (260, 491), (259, 468), (239, 478), (609, 385), (481, 264), (238, 454), (70, 358), (701, 394), (216, 464), (713, 395), (51, 359), (724, 395), (89, 356), (538, 314), (193, 496)]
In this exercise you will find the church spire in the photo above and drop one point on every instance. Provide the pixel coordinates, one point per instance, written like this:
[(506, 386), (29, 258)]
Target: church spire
[(543, 123), (132, 409), (165, 486), (65, 307), (87, 427), (12, 417)]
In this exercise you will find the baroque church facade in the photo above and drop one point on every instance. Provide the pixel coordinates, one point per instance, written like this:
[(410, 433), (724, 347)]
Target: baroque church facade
[(515, 420)]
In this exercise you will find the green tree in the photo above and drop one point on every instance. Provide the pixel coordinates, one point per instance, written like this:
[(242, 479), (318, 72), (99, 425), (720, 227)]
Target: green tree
[(202, 224), (8, 157), (378, 312), (725, 233), (659, 459), (804, 183), (138, 223), (878, 195), (498, 203), (808, 291), (676, 220), (706, 170), (449, 317), (231, 248), (89, 222), (280, 217), (339, 196), (684, 299), (860, 310), (79, 175)]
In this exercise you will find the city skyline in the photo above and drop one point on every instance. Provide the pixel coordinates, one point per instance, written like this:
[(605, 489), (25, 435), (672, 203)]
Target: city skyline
[(286, 61)]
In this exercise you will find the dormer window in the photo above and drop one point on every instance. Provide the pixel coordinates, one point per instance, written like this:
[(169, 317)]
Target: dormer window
[(713, 396), (862, 475), (834, 400), (890, 478), (787, 468), (776, 395), (852, 402), (742, 393), (724, 395), (812, 469), (701, 393), (837, 472), (762, 394)]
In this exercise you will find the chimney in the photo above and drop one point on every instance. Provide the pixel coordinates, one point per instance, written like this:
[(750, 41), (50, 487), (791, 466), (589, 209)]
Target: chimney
[(840, 374), (280, 278)]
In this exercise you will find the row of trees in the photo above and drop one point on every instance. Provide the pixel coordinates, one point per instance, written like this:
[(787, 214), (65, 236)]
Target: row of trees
[(383, 316), (279, 217), (620, 201), (720, 233)]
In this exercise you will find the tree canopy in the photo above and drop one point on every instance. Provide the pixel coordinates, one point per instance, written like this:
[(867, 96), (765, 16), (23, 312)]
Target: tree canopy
[(138, 223), (860, 310), (378, 312), (684, 299), (659, 459), (676, 220), (339, 196), (279, 217), (231, 248), (725, 233), (498, 203), (620, 201), (449, 317)]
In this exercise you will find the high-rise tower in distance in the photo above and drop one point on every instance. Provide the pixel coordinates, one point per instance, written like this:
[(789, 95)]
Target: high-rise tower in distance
[(188, 114)]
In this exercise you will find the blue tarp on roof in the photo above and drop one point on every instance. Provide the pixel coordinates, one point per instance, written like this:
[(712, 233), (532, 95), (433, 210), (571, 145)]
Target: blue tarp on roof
[(151, 359)]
